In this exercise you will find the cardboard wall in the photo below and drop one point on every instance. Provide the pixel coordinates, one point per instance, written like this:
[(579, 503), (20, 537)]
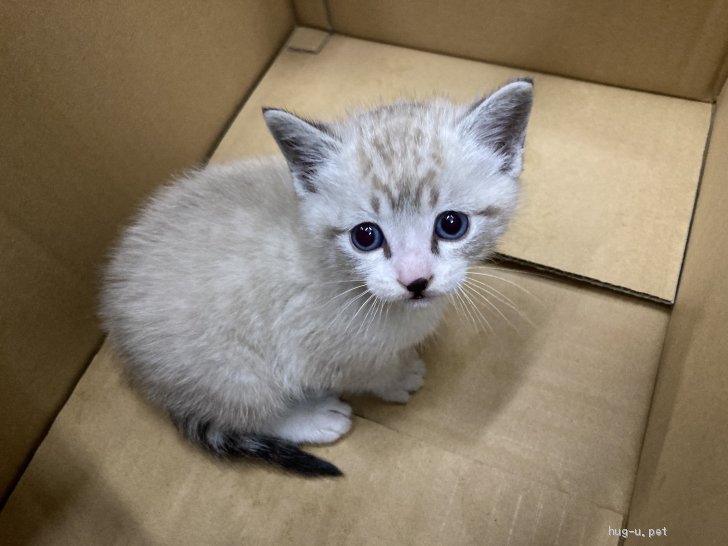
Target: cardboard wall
[(99, 102), (677, 48), (682, 482), (312, 13)]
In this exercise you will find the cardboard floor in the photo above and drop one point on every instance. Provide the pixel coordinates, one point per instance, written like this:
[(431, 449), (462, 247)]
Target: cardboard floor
[(610, 174), (528, 433)]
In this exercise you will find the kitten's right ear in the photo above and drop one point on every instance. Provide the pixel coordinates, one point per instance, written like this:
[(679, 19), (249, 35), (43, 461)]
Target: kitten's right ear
[(306, 145), (499, 122)]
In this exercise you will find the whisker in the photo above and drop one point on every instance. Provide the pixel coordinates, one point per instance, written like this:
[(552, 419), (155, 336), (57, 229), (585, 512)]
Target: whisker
[(497, 294), (364, 320), (454, 302), (465, 307), (485, 299), (506, 281), (344, 308), (379, 305), (518, 268), (386, 312), (501, 297), (477, 310), (345, 292), (351, 320), (338, 281)]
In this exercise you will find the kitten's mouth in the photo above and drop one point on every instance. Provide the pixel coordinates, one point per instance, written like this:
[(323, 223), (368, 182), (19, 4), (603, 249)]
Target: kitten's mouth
[(420, 300)]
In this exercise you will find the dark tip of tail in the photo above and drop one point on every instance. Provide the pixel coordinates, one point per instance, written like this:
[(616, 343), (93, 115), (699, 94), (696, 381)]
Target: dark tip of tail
[(280, 453), (308, 465), (275, 451)]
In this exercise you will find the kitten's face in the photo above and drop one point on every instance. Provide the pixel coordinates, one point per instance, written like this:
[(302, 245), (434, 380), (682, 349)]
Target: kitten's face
[(409, 196)]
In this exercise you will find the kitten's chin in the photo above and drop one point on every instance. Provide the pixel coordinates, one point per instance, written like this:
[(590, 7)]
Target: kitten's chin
[(422, 302), (419, 303)]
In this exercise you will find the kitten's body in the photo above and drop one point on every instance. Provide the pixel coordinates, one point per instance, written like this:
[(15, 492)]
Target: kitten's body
[(241, 305)]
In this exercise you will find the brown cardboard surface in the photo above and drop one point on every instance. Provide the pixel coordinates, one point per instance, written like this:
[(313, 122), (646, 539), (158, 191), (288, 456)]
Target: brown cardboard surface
[(680, 48), (43, 349), (516, 438), (99, 103), (309, 40), (682, 482), (558, 393), (312, 13), (610, 174)]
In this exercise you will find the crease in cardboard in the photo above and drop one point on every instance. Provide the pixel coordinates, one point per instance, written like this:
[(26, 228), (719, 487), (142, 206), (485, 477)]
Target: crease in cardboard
[(308, 40), (582, 278), (706, 152)]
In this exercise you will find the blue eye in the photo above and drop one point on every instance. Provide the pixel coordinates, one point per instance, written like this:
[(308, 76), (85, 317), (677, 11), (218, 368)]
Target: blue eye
[(451, 225), (367, 236)]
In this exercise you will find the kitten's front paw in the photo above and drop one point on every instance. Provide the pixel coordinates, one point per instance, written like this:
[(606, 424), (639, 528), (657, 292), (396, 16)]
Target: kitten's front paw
[(319, 421), (410, 381)]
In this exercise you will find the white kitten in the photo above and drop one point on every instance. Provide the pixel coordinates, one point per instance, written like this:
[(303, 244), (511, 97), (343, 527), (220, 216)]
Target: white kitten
[(246, 297)]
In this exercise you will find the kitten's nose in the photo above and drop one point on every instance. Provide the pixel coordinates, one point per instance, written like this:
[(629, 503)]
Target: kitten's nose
[(418, 286)]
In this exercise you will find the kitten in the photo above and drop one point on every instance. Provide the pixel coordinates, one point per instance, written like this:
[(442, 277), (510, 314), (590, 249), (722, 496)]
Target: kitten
[(245, 298)]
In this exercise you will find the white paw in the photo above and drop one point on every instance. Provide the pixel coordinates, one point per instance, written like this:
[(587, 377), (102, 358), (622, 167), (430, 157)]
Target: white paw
[(398, 396), (412, 378), (319, 421)]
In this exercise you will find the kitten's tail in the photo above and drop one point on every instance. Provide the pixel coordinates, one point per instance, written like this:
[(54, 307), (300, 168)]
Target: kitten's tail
[(270, 449)]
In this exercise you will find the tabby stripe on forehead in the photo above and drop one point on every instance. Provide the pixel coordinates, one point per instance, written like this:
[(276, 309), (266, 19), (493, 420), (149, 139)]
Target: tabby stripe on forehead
[(427, 180), (418, 193), (385, 154), (434, 196), (386, 190), (404, 197), (364, 162), (375, 204)]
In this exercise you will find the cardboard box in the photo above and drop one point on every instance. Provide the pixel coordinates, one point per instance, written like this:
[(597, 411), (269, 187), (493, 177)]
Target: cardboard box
[(592, 403)]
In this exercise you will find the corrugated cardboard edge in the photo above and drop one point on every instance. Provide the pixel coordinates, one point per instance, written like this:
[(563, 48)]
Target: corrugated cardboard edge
[(558, 273)]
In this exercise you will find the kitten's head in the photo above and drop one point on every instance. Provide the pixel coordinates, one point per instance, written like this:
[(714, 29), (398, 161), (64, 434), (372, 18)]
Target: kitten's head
[(408, 196)]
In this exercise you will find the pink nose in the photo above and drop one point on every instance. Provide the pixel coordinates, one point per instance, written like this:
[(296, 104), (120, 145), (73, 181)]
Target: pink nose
[(412, 268), (406, 278)]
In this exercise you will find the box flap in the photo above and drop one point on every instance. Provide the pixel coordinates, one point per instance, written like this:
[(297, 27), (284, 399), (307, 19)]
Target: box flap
[(610, 174)]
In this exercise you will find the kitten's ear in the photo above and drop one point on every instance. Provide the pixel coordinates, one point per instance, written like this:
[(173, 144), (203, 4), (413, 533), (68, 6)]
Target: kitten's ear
[(499, 122), (306, 146)]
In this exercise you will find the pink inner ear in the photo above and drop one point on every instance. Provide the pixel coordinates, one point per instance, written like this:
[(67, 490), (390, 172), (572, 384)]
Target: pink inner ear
[(412, 266)]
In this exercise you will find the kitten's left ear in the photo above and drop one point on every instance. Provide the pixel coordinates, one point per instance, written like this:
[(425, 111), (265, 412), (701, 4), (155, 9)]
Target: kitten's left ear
[(499, 122), (306, 145)]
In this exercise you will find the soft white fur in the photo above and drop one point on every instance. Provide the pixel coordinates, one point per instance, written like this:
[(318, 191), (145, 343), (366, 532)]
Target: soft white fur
[(233, 305)]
